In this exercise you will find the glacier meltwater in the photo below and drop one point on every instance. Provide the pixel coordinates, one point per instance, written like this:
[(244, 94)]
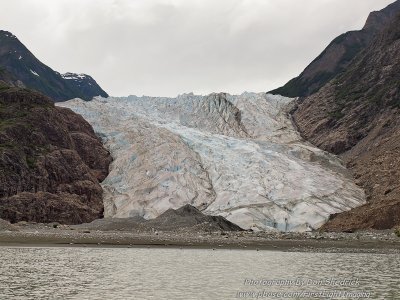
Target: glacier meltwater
[(235, 156)]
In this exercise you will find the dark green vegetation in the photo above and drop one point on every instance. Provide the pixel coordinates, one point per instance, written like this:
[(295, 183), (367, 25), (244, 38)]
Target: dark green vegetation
[(51, 161), (338, 55), (19, 67)]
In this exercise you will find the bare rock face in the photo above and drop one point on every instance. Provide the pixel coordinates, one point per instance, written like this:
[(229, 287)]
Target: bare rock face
[(357, 116), (51, 161)]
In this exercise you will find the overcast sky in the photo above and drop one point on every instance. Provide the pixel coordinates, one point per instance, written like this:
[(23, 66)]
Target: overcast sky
[(169, 47)]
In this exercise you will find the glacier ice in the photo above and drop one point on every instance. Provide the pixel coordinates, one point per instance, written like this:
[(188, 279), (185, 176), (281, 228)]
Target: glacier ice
[(238, 156)]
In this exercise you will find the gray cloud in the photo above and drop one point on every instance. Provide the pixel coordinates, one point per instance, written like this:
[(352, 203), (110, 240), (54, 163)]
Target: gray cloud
[(168, 47)]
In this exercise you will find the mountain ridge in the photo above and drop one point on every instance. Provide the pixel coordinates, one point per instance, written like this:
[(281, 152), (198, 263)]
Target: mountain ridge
[(27, 71), (335, 58)]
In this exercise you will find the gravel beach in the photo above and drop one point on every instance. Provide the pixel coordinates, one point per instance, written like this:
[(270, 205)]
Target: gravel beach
[(36, 234)]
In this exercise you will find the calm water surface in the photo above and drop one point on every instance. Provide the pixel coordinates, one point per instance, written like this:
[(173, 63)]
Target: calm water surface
[(136, 273)]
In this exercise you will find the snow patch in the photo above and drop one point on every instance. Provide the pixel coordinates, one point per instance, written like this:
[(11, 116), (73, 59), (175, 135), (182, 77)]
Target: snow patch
[(34, 73), (10, 35), (73, 76)]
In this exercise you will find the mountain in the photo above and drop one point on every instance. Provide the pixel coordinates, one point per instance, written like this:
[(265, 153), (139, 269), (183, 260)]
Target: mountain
[(338, 55), (51, 161), (234, 156), (25, 70), (357, 115)]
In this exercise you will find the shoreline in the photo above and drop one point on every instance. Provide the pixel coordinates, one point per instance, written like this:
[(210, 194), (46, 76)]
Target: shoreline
[(346, 243)]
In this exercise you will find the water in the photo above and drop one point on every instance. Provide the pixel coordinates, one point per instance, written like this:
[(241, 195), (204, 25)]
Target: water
[(139, 273)]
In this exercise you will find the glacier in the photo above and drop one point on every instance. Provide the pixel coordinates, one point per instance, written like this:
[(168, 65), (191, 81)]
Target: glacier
[(238, 156)]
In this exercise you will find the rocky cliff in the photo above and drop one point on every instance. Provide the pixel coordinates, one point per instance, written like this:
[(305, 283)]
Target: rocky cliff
[(338, 55), (357, 115), (26, 70), (51, 162)]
